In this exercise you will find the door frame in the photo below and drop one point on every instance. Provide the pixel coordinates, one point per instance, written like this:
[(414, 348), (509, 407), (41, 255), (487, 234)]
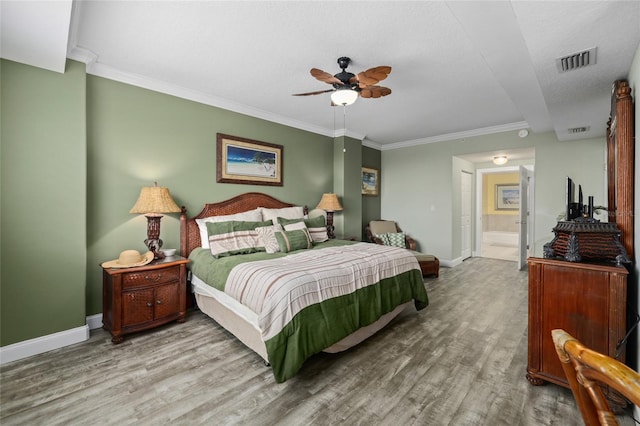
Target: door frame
[(477, 249)]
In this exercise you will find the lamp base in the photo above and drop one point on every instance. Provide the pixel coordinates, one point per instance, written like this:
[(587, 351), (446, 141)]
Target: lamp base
[(330, 227), (153, 241), (154, 247)]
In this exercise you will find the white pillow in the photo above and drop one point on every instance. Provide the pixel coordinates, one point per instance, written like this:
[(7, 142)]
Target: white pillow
[(296, 212), (267, 234), (250, 216)]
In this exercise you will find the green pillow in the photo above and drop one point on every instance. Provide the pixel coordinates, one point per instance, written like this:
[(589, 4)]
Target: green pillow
[(315, 222), (383, 237), (293, 240), (216, 228), (316, 226), (396, 239), (235, 237)]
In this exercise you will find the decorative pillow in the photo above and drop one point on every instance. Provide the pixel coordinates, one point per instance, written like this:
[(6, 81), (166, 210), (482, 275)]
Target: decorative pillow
[(251, 216), (234, 237), (317, 229), (396, 239), (296, 212), (316, 226), (267, 233), (295, 225), (383, 237), (293, 240)]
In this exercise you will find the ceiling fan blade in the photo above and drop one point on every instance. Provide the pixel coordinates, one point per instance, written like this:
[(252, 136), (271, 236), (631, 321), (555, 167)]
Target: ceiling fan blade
[(313, 93), (324, 76), (373, 75), (374, 92)]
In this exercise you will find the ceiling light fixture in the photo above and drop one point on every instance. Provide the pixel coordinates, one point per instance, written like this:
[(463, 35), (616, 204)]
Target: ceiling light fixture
[(344, 97), (500, 160)]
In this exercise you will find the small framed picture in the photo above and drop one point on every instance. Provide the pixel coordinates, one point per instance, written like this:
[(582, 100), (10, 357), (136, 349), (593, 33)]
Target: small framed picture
[(507, 196), (241, 160), (370, 181)]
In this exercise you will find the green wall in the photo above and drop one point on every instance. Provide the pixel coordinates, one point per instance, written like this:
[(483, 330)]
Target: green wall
[(43, 220), (420, 187), (76, 150), (137, 136), (371, 158)]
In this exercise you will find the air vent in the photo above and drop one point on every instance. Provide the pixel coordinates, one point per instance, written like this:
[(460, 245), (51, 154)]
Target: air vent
[(582, 129), (577, 60)]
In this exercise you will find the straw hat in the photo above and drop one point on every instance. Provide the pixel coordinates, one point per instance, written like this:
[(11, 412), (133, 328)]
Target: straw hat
[(129, 259)]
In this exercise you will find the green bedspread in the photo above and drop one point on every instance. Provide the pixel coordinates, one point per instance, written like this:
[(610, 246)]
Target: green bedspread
[(320, 325)]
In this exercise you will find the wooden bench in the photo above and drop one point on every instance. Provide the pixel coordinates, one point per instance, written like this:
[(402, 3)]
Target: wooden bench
[(429, 264)]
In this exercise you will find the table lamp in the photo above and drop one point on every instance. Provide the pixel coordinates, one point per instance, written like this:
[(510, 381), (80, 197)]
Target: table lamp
[(152, 202), (330, 203)]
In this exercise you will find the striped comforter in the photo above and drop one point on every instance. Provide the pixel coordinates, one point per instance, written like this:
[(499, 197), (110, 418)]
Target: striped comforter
[(309, 300)]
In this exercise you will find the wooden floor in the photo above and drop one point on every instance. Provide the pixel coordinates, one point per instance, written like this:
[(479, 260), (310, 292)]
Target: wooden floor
[(461, 361)]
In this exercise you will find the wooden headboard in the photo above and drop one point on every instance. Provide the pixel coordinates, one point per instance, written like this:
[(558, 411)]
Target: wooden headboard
[(189, 233)]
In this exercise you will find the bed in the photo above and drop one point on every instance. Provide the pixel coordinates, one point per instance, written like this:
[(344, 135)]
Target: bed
[(329, 297)]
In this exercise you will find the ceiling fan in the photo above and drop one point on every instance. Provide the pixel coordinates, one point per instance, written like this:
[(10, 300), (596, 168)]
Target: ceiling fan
[(348, 86)]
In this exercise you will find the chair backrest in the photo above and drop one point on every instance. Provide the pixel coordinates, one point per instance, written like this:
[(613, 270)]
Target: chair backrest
[(588, 373), (382, 226)]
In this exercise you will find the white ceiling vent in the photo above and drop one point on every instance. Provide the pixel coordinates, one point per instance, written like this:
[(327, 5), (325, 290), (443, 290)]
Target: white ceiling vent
[(582, 129), (576, 60)]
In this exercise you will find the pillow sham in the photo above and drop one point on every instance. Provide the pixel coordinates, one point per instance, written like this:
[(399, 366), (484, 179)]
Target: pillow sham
[(316, 226), (254, 215), (296, 212), (317, 229), (234, 237), (396, 239), (267, 234), (293, 240), (383, 237)]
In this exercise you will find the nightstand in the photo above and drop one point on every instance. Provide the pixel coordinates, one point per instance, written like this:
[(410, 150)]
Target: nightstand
[(136, 299)]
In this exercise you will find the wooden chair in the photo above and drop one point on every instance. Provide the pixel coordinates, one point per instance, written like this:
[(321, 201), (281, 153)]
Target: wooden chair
[(383, 227), (589, 373)]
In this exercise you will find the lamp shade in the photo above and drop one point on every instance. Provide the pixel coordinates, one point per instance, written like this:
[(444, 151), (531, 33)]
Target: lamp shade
[(344, 96), (330, 203), (155, 199)]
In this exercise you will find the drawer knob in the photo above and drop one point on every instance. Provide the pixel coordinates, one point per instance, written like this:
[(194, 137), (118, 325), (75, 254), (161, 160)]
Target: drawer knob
[(159, 302), (157, 277), (149, 304)]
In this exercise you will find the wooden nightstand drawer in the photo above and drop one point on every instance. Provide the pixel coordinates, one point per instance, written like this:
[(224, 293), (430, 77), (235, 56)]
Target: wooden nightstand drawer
[(144, 297), (152, 277)]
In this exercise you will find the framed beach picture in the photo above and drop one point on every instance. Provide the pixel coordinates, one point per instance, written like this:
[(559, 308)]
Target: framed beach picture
[(507, 196), (370, 181), (241, 160)]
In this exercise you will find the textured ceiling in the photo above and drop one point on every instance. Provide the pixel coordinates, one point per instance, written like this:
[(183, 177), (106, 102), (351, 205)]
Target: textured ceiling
[(459, 68)]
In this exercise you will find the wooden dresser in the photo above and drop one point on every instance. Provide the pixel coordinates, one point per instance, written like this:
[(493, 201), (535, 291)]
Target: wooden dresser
[(135, 299), (586, 300)]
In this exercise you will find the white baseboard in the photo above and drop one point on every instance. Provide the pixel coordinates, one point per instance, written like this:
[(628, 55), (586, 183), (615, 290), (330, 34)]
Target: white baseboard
[(50, 342), (94, 321), (43, 344), (451, 263)]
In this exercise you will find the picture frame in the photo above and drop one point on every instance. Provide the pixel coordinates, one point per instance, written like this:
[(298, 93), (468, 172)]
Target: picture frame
[(370, 181), (248, 161), (507, 196)]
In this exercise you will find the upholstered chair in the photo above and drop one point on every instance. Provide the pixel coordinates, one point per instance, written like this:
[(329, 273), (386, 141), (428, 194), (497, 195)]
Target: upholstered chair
[(378, 228)]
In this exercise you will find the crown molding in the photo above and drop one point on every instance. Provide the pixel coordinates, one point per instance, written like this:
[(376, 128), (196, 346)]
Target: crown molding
[(459, 135), (94, 67)]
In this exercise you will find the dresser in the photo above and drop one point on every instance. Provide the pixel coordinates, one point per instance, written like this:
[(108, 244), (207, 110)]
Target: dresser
[(586, 300), (140, 298)]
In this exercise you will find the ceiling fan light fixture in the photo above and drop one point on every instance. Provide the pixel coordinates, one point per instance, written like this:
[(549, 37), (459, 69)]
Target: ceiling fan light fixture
[(344, 96), (500, 160)]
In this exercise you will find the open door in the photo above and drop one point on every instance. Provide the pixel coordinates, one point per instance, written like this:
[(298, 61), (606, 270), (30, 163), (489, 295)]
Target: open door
[(526, 181)]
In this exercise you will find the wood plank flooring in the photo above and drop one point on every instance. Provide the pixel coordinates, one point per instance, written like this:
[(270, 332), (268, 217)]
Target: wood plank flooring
[(461, 361)]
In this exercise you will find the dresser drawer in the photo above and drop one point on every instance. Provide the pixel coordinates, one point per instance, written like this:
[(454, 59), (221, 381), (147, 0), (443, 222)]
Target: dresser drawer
[(152, 277)]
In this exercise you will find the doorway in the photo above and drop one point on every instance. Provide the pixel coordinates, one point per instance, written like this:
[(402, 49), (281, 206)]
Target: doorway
[(504, 200)]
